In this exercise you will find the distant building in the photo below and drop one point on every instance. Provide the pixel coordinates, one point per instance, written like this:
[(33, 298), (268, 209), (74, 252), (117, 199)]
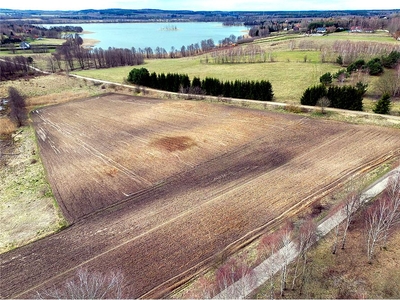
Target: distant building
[(361, 29)]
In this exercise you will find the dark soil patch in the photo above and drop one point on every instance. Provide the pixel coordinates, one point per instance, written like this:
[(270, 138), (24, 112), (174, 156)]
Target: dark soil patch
[(174, 143)]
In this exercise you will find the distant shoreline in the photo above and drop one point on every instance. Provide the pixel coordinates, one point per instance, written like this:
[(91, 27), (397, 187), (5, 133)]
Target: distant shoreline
[(88, 42)]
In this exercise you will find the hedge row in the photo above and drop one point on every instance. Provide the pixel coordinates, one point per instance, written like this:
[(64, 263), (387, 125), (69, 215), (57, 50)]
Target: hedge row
[(255, 90), (345, 97)]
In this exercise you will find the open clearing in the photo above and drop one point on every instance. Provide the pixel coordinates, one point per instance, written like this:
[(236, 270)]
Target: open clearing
[(160, 190)]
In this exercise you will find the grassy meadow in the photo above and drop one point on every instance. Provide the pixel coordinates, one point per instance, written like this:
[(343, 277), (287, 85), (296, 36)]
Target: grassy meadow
[(288, 79), (294, 63)]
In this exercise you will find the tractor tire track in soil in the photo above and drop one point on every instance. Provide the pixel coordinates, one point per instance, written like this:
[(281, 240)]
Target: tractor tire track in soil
[(197, 206)]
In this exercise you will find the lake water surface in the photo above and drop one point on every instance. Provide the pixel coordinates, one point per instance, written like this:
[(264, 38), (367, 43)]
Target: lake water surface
[(142, 35)]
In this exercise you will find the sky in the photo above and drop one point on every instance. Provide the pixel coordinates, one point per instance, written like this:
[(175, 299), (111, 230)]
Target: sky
[(209, 5)]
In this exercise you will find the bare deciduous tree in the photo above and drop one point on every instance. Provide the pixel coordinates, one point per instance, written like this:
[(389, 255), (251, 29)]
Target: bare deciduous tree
[(269, 247), (382, 216), (17, 107), (392, 195), (286, 238), (334, 247), (389, 82), (234, 278), (375, 222), (350, 206), (306, 236), (88, 285), (323, 103)]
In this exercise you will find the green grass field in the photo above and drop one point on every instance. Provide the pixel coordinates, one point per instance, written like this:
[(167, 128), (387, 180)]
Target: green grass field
[(289, 69), (289, 75)]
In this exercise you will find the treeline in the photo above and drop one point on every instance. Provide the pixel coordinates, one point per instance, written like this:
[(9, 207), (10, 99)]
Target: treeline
[(17, 66), (265, 27), (344, 97), (376, 65), (193, 49), (352, 51), (255, 90), (234, 55), (71, 55)]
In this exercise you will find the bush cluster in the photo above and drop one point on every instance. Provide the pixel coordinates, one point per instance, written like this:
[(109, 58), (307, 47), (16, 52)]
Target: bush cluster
[(345, 97), (383, 105), (256, 90), (376, 65)]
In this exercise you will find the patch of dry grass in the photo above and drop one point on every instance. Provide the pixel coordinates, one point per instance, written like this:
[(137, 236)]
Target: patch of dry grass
[(50, 89), (7, 127), (27, 207)]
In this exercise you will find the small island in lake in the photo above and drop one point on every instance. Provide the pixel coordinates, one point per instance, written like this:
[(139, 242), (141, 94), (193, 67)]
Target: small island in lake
[(169, 28)]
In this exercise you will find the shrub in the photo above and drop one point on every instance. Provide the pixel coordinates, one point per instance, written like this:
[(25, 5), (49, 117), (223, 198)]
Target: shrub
[(326, 79), (362, 87), (355, 66), (293, 108), (391, 60), (139, 76), (345, 97), (374, 66), (313, 94), (339, 60), (383, 105), (341, 75)]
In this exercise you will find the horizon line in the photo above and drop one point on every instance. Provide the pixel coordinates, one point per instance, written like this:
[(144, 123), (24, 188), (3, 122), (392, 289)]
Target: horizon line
[(218, 10)]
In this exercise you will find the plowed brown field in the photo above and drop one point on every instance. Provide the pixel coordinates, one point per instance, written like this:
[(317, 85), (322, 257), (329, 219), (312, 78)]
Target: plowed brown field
[(160, 190)]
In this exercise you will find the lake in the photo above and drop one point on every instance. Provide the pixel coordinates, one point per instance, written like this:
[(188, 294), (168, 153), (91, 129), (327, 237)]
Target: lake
[(142, 35)]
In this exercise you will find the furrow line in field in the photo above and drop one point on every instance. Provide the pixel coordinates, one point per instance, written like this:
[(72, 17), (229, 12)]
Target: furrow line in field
[(165, 288)]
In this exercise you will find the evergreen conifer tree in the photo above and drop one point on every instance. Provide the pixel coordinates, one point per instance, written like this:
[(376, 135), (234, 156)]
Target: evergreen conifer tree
[(383, 105)]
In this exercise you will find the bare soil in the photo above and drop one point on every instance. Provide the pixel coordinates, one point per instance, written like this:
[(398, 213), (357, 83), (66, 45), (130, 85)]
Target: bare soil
[(161, 190)]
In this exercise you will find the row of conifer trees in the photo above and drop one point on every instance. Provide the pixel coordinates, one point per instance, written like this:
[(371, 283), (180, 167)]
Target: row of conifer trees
[(344, 97), (255, 90)]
